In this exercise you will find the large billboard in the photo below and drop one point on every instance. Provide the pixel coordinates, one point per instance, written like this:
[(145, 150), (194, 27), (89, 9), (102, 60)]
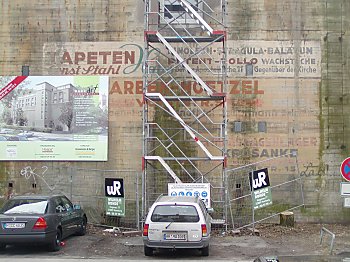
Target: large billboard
[(54, 118)]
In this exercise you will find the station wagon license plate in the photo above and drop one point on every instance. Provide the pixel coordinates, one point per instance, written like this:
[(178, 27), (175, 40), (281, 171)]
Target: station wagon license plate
[(175, 236), (14, 225)]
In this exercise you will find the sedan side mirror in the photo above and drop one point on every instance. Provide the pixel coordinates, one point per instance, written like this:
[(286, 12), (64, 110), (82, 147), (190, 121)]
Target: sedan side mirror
[(76, 207)]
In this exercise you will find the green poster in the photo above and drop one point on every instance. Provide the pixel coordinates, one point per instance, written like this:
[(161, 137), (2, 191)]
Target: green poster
[(115, 206), (262, 198)]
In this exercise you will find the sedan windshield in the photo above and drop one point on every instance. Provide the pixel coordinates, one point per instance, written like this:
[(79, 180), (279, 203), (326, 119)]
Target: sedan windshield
[(27, 206), (175, 213)]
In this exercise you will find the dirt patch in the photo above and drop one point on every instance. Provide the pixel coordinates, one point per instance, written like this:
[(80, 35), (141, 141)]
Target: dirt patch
[(302, 239), (306, 237)]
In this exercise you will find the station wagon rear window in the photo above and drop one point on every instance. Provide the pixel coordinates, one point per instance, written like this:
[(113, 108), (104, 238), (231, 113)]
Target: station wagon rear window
[(27, 206), (175, 213)]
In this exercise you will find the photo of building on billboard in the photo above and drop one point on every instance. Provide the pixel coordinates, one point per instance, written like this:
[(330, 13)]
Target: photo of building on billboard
[(54, 118)]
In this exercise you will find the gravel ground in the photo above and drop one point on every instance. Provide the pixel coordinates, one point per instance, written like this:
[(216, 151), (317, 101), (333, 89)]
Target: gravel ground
[(271, 239)]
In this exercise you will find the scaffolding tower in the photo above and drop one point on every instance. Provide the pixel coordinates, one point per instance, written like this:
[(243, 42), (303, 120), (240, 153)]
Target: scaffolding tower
[(184, 98)]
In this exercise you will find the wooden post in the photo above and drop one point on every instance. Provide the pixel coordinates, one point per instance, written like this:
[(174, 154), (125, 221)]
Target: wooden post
[(287, 219)]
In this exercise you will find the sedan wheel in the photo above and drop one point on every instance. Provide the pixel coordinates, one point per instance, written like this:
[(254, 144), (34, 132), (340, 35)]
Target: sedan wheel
[(56, 243), (82, 227)]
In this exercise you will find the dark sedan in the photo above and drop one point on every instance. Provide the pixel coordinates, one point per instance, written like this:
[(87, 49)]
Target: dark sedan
[(41, 220)]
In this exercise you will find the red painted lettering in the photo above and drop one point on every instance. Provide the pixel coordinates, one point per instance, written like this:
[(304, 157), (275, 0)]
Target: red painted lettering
[(115, 88), (79, 56), (92, 57)]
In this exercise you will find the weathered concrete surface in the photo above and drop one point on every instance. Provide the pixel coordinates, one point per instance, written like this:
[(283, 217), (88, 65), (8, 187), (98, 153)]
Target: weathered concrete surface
[(27, 28)]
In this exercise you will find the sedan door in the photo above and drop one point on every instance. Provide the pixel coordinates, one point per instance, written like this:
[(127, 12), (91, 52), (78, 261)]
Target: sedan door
[(64, 215), (74, 215)]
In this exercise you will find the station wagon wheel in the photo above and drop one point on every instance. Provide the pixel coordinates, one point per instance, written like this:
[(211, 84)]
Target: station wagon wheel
[(148, 251), (82, 227), (55, 245), (205, 251)]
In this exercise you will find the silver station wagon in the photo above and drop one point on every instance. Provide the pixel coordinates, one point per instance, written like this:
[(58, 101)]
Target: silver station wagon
[(176, 222)]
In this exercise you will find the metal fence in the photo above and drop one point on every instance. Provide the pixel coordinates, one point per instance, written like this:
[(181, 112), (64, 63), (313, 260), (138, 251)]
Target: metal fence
[(286, 190), (88, 188), (83, 186), (231, 197), (156, 184)]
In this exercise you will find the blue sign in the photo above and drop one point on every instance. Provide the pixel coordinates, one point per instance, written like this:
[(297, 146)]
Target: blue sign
[(200, 190)]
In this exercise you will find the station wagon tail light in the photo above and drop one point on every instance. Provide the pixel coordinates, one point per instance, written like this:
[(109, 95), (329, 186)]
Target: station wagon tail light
[(204, 230), (40, 223), (145, 230)]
